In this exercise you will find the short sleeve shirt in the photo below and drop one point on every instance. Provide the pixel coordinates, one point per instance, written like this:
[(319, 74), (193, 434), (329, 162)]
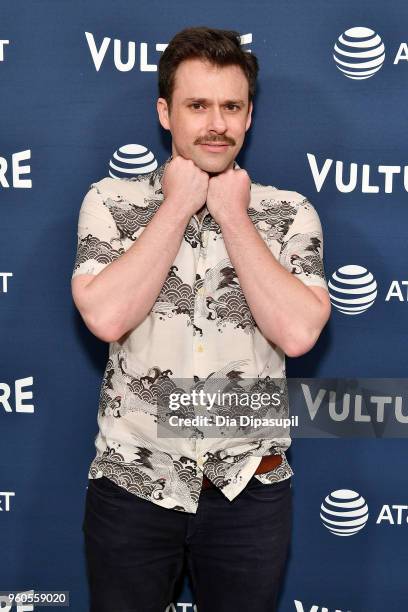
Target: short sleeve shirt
[(199, 327)]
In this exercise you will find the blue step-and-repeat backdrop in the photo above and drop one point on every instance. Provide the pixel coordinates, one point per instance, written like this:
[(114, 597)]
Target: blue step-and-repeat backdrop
[(79, 84)]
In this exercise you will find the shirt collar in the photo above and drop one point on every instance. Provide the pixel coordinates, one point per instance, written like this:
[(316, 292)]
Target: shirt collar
[(157, 175)]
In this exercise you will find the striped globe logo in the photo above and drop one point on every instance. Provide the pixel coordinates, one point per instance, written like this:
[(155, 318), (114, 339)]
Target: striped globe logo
[(359, 53), (344, 512), (352, 289), (131, 160)]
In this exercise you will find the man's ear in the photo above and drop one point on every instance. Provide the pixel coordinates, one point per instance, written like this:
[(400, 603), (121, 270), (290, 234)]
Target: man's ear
[(163, 112), (249, 117)]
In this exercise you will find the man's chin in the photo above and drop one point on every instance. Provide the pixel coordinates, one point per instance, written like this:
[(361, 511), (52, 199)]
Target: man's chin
[(212, 167)]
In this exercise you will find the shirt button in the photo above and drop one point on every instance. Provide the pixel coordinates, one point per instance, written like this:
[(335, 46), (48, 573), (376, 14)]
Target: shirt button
[(200, 462), (200, 348)]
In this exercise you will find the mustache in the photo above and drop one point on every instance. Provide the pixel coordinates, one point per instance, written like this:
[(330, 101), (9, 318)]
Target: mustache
[(223, 140)]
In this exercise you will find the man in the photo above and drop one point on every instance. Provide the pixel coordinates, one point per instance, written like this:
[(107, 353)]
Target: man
[(193, 273)]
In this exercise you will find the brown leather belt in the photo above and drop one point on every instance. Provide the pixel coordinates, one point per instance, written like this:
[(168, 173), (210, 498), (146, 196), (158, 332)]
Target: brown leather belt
[(268, 462)]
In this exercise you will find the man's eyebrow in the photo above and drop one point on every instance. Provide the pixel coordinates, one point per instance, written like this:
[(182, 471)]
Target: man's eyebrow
[(205, 100)]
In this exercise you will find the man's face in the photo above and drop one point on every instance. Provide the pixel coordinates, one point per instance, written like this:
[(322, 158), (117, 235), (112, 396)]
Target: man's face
[(209, 105)]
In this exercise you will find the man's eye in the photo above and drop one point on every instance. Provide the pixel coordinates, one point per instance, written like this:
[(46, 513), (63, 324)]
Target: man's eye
[(195, 104)]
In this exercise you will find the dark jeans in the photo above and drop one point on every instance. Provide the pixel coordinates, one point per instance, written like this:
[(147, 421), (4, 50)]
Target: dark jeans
[(235, 550)]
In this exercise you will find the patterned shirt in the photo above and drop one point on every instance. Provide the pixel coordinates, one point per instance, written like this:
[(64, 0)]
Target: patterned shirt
[(199, 327)]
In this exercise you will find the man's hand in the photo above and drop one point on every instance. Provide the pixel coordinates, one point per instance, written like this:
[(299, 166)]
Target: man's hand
[(228, 194), (185, 184)]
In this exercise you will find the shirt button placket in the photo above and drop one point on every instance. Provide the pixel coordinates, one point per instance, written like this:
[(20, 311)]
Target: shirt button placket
[(199, 353), (199, 341)]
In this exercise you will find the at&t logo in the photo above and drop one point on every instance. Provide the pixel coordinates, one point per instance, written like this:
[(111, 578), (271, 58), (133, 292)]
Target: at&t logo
[(352, 289), (359, 53), (344, 512), (131, 160)]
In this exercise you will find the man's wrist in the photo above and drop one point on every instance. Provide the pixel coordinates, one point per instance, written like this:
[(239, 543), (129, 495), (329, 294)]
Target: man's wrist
[(234, 218), (176, 211)]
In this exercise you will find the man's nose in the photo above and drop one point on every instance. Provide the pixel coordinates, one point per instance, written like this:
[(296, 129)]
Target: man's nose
[(216, 120)]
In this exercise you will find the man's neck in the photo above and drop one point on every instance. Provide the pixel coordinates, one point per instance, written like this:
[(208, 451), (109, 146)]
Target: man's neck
[(200, 213)]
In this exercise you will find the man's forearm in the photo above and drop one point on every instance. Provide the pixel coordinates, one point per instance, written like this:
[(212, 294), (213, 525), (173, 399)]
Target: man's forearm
[(122, 294), (286, 311)]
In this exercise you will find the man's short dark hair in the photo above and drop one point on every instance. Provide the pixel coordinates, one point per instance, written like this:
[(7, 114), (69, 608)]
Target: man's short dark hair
[(219, 47)]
